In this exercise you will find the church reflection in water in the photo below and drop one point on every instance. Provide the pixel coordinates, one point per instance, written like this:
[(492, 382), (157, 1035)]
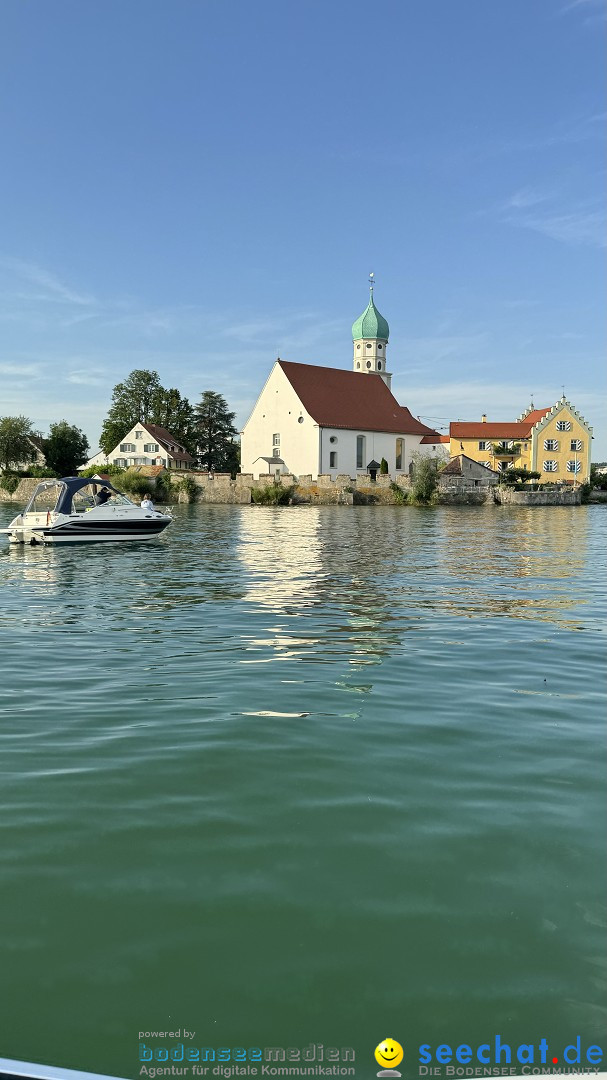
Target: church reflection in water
[(363, 579)]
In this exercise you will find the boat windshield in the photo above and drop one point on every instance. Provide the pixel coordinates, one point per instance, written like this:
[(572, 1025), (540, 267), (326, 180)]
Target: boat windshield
[(88, 497), (45, 498)]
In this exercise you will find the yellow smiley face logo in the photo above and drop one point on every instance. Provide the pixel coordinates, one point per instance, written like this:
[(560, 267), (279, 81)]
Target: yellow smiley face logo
[(389, 1053)]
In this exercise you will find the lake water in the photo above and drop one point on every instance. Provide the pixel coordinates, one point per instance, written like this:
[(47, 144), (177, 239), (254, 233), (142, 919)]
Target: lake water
[(305, 775)]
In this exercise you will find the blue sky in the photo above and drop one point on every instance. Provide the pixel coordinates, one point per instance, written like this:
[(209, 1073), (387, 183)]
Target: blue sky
[(199, 186)]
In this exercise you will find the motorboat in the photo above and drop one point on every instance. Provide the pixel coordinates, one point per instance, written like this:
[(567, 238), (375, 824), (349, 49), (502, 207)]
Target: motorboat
[(76, 509)]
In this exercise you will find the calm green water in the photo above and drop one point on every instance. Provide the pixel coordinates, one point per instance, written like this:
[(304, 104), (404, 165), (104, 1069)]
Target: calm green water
[(304, 775)]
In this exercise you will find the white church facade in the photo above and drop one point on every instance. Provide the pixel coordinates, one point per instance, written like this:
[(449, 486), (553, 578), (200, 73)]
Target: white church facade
[(312, 420)]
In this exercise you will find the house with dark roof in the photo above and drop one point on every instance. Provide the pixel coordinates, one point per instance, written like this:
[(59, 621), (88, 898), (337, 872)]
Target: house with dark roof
[(462, 471), (146, 444), (312, 420), (555, 441)]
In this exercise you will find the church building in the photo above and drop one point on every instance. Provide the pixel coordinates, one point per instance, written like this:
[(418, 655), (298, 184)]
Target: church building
[(311, 420)]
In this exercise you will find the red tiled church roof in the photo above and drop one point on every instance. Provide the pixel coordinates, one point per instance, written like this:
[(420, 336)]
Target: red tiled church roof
[(349, 399)]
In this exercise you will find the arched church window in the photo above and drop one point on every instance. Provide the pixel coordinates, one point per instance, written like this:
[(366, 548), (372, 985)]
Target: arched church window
[(379, 366), (358, 366), (368, 363)]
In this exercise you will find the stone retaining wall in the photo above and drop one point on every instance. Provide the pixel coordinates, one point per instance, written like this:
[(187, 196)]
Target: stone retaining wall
[(553, 497), (22, 493), (343, 490)]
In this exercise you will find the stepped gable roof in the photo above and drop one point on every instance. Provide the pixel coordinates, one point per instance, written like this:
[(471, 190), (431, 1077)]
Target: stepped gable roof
[(350, 399), (534, 416), (179, 453), (474, 429)]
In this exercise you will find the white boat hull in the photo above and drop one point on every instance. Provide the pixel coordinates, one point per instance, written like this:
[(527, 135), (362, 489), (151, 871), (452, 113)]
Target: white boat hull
[(114, 519)]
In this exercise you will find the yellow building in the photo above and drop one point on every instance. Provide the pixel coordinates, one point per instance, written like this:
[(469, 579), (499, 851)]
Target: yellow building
[(555, 442)]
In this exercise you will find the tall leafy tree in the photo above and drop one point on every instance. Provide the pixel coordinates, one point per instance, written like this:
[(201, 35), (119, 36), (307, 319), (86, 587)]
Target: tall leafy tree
[(215, 434), (175, 413), (15, 445), (132, 400), (141, 398), (66, 448)]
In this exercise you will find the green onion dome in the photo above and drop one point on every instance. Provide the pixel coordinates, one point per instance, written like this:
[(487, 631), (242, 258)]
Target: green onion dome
[(370, 324)]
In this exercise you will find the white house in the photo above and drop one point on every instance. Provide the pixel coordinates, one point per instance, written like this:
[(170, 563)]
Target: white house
[(312, 420), (35, 457), (146, 444)]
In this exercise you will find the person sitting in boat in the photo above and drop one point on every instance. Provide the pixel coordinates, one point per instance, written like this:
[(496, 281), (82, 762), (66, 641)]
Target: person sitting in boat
[(102, 496), (146, 503)]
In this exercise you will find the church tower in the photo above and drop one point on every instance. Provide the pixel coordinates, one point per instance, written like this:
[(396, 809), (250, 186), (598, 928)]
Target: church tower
[(370, 335)]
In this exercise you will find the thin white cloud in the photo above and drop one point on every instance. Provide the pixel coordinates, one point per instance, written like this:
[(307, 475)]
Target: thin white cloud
[(593, 10), (53, 288), (569, 222), (20, 371), (581, 227), (526, 197), (85, 378), (434, 348)]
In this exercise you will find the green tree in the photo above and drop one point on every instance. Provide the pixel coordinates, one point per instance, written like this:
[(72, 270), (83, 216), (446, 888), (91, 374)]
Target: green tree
[(66, 448), (425, 477), (172, 411), (132, 401), (141, 398), (215, 434), (514, 476), (15, 441)]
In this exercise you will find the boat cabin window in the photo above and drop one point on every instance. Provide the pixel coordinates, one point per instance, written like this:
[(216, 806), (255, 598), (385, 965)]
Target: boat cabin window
[(44, 499), (85, 499), (82, 500)]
